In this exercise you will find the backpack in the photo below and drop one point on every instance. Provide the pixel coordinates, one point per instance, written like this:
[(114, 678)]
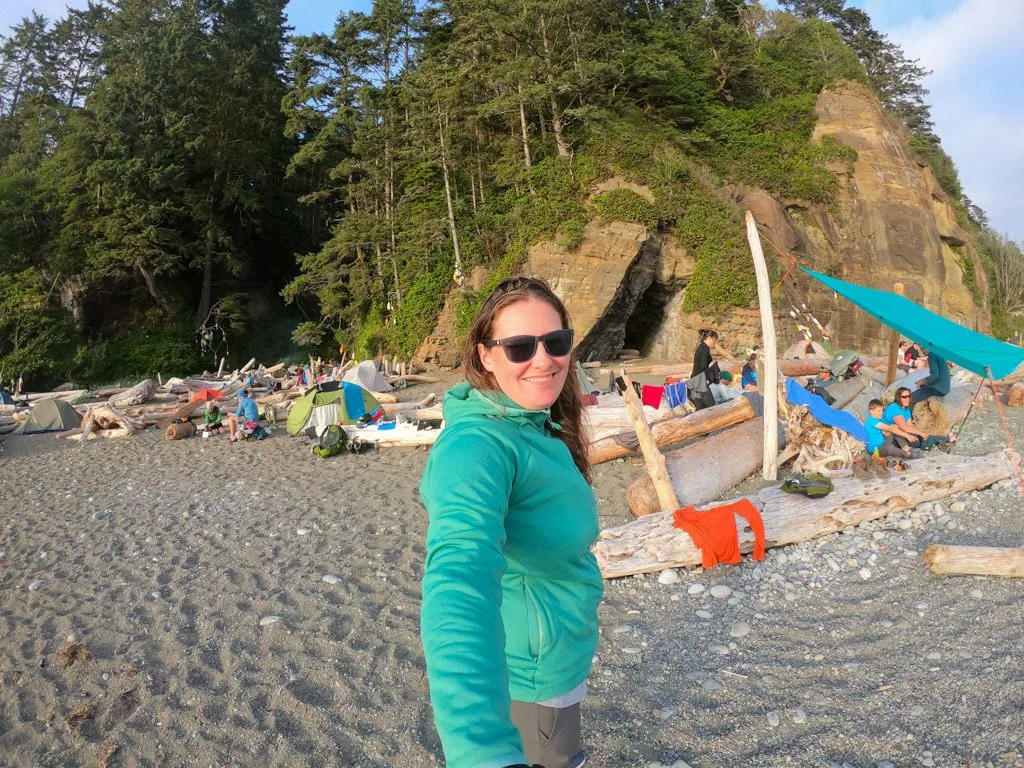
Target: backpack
[(331, 443), (814, 486)]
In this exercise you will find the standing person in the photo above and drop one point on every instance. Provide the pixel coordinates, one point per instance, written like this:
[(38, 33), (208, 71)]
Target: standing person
[(702, 361), (247, 413), (936, 383), (510, 587)]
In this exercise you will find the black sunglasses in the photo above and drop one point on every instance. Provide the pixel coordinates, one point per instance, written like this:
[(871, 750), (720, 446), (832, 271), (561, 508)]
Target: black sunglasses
[(519, 349), (905, 396)]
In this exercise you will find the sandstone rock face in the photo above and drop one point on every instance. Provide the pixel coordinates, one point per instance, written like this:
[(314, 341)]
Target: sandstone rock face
[(620, 285), (891, 222)]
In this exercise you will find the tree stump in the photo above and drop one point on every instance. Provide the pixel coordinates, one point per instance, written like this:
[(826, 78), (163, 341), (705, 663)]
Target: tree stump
[(180, 431), (1015, 397)]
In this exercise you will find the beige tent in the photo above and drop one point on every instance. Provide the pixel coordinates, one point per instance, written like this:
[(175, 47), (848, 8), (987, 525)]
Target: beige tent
[(50, 416)]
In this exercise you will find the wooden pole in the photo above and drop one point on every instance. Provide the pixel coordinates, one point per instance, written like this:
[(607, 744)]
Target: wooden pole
[(983, 561), (894, 343), (652, 455), (769, 387)]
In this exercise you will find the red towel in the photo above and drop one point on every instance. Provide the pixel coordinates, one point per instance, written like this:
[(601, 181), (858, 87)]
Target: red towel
[(650, 395), (714, 531), (588, 399)]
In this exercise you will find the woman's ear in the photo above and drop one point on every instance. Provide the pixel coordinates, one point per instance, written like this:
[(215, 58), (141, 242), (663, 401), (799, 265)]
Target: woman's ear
[(485, 358)]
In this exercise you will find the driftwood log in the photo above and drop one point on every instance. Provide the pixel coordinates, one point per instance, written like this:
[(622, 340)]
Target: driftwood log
[(651, 543), (653, 460), (705, 470), (1015, 396), (675, 430), (180, 431), (136, 395), (980, 561)]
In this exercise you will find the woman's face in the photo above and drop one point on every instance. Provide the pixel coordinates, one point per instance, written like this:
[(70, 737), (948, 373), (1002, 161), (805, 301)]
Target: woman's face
[(711, 341), (537, 383)]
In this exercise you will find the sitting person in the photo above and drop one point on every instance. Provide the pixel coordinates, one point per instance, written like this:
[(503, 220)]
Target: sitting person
[(248, 413), (936, 383), (748, 375), (887, 439), (899, 414), (212, 418)]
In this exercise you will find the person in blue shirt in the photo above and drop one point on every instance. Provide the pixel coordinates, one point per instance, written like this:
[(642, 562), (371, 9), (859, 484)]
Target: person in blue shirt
[(247, 412), (887, 439), (899, 413), (936, 383), (748, 376)]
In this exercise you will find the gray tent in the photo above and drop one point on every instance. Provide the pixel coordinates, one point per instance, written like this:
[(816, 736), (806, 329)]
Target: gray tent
[(367, 376), (50, 416)]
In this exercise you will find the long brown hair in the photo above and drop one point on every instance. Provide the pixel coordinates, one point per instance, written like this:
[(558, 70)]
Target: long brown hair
[(567, 410)]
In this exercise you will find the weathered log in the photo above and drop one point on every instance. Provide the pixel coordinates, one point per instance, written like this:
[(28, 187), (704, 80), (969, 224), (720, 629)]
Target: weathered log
[(675, 430), (651, 543), (180, 431), (136, 395), (981, 561), (769, 357), (35, 397), (1015, 397), (392, 409), (705, 470), (938, 415), (607, 420)]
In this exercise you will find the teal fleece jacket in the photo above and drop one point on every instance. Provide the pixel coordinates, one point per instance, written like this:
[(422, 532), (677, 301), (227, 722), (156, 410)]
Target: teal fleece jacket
[(510, 587)]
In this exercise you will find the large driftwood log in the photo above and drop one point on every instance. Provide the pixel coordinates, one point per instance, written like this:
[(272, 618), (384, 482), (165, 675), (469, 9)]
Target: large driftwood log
[(136, 395), (769, 357), (391, 409), (938, 415), (981, 561), (675, 430), (69, 395), (651, 543), (705, 470)]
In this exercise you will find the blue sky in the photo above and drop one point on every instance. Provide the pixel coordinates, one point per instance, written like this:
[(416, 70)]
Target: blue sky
[(972, 47)]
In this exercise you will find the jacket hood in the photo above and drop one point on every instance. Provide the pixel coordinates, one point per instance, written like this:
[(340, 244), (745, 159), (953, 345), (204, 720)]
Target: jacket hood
[(464, 401)]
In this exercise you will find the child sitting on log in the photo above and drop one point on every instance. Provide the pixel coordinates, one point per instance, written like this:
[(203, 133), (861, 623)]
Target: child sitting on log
[(887, 439)]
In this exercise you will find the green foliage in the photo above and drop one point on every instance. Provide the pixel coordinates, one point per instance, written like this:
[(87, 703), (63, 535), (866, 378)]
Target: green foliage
[(141, 352), (969, 277), (942, 166), (32, 335), (624, 205), (415, 319), (769, 146), (713, 233)]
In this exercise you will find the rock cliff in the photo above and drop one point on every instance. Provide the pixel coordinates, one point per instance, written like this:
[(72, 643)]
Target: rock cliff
[(890, 222)]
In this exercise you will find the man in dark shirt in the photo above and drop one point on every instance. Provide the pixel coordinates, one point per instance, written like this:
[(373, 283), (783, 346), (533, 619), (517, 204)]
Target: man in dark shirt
[(936, 383)]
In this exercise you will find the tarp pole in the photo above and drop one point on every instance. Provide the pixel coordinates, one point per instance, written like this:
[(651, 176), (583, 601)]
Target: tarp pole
[(1014, 459), (770, 386), (970, 408), (894, 343)]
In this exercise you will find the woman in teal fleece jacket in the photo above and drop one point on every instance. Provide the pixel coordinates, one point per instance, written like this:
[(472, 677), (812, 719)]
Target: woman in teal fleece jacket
[(510, 588)]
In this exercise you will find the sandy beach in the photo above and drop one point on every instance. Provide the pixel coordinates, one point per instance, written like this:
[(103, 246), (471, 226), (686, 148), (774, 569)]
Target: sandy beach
[(251, 605)]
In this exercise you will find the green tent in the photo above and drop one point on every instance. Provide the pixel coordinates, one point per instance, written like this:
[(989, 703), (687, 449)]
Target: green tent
[(974, 351), (329, 403), (50, 416)]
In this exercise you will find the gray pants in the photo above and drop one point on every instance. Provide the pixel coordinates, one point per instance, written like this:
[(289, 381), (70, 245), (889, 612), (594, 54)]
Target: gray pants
[(551, 736)]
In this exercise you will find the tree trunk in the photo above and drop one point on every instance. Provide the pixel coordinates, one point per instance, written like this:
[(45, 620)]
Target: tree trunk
[(675, 430), (558, 128), (153, 288), (180, 431), (140, 393), (524, 127), (205, 294), (707, 469), (652, 544), (447, 197), (981, 561)]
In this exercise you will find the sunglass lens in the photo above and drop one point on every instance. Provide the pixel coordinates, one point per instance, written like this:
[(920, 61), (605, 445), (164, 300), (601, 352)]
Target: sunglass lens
[(519, 349), (558, 343)]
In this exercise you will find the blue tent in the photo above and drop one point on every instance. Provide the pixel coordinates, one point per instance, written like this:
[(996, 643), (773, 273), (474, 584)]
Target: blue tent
[(5, 397), (974, 351)]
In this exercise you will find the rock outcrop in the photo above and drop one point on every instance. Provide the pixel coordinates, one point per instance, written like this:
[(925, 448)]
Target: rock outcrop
[(891, 222)]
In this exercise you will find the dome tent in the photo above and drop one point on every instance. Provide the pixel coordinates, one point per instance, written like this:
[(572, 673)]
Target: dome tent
[(332, 402), (50, 416)]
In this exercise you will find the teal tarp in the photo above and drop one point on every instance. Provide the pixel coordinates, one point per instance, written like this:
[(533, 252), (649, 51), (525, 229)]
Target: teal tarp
[(970, 349)]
